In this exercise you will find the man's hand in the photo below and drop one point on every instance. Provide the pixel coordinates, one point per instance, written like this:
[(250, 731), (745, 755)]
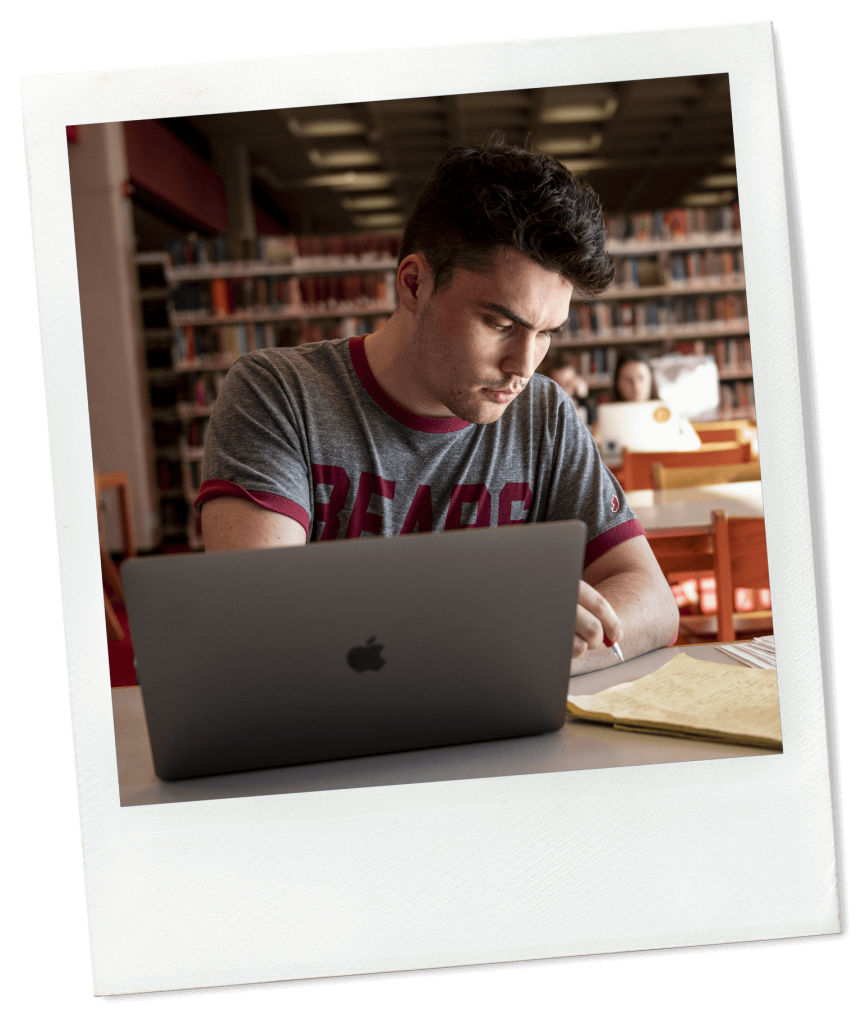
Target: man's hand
[(595, 620), (626, 578)]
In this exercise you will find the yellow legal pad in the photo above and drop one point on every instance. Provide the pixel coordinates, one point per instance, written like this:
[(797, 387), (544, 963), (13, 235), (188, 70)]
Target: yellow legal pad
[(692, 698)]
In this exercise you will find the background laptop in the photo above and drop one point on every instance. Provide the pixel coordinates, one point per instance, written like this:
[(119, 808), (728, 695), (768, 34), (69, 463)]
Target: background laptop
[(652, 426), (257, 659)]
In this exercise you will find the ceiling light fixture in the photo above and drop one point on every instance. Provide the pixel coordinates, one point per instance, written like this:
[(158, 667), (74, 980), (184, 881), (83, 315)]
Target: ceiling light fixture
[(720, 181), (708, 198), (577, 112), (350, 181), (344, 158), (584, 166), (359, 203), (325, 129), (568, 145), (378, 220)]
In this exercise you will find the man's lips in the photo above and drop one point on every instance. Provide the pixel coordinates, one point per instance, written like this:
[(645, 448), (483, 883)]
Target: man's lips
[(503, 395)]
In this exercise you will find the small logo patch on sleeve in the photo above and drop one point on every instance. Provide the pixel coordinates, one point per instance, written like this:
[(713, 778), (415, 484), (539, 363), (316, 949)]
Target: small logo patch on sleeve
[(614, 504)]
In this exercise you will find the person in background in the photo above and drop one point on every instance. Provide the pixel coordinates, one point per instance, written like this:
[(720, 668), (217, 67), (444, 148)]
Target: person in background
[(565, 375), (633, 380)]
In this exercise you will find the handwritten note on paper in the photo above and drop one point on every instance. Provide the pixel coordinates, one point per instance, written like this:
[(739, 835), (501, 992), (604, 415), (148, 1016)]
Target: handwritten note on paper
[(688, 697)]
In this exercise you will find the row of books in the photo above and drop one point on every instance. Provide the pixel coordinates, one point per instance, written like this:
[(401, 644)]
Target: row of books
[(624, 318), (737, 398), (281, 295), (168, 476), (671, 225), (282, 249), (732, 355), (707, 268), (200, 390), (595, 363), (196, 343), (194, 432), (348, 327), (174, 515), (192, 344)]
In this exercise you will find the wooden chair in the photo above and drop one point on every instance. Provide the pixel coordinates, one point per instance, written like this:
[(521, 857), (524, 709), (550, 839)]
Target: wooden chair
[(722, 430), (111, 580), (636, 471), (670, 477), (739, 560), (733, 550)]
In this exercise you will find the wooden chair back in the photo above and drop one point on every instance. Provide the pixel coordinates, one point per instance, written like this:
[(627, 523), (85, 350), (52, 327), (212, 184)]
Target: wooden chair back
[(682, 550), (111, 580), (739, 560), (722, 430), (672, 477), (636, 471)]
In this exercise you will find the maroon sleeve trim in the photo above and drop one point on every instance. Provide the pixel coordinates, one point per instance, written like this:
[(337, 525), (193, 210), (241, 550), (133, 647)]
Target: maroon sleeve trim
[(215, 488), (610, 538), (427, 424)]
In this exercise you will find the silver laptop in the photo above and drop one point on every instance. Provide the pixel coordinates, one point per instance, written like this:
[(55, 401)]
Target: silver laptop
[(651, 426), (258, 659)]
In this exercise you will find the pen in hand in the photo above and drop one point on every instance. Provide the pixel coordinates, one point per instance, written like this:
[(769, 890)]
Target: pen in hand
[(615, 646)]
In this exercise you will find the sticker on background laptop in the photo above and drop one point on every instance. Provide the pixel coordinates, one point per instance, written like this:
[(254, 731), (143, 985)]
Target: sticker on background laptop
[(662, 414), (614, 504)]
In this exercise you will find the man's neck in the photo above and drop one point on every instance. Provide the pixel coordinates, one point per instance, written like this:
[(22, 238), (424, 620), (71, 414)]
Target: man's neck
[(388, 353)]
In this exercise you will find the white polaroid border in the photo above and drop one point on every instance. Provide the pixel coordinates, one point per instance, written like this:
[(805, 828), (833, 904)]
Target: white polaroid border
[(320, 884)]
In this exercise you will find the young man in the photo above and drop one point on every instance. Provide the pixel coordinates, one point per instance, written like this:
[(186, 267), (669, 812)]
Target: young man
[(437, 421)]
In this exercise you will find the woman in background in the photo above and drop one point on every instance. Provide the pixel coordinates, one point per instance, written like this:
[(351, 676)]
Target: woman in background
[(633, 380)]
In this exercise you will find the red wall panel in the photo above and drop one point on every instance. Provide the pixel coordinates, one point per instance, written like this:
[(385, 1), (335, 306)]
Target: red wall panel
[(161, 164)]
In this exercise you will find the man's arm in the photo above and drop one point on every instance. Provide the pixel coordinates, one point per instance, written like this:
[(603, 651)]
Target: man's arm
[(231, 523), (625, 595)]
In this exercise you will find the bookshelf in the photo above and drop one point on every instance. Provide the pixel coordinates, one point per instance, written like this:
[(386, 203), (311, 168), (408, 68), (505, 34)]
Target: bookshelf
[(679, 287), (201, 312)]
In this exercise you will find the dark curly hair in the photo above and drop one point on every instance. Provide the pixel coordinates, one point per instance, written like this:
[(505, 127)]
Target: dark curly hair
[(478, 200)]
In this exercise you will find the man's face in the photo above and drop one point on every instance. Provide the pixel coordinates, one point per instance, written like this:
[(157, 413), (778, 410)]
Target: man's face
[(478, 340)]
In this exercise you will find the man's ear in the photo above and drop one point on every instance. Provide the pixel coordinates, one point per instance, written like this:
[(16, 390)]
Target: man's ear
[(414, 280)]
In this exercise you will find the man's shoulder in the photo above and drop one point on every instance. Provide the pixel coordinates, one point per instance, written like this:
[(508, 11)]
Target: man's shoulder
[(320, 355), (323, 365), (548, 397)]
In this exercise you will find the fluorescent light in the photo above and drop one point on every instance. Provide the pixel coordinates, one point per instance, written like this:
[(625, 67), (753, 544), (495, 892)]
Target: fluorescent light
[(707, 198), (576, 112), (326, 128), (378, 220), (358, 157), (583, 166), (720, 181), (568, 145), (351, 181), (370, 203)]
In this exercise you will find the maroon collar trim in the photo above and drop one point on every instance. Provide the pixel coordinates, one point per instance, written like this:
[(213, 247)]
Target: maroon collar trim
[(427, 424)]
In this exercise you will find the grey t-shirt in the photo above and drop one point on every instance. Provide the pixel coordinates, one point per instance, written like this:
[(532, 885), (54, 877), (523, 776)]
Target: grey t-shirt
[(309, 433)]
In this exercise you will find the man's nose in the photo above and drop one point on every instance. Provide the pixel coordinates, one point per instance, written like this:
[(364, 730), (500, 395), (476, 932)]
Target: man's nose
[(520, 357)]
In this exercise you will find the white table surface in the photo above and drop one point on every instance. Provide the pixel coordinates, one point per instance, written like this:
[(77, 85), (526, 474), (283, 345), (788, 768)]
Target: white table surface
[(693, 506), (578, 745)]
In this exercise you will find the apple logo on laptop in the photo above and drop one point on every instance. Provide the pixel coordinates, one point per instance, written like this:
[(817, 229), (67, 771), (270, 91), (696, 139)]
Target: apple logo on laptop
[(367, 658)]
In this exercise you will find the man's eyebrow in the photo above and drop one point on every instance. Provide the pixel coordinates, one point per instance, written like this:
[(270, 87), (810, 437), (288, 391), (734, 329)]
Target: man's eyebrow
[(511, 315)]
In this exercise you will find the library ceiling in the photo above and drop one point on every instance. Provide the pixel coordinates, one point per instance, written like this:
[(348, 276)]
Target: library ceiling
[(643, 145)]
